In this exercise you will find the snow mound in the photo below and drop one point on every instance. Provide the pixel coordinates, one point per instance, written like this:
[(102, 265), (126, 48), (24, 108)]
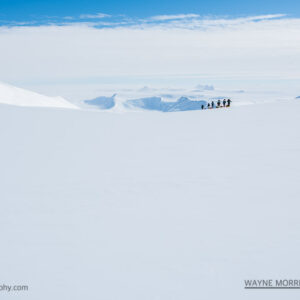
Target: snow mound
[(20, 97), (156, 103), (102, 102)]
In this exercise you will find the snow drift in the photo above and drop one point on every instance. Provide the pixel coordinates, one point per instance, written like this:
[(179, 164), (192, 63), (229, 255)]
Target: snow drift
[(156, 103), (148, 103), (102, 102), (20, 97)]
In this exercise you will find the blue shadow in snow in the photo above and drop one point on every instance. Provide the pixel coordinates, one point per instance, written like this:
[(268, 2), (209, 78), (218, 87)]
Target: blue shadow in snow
[(102, 102), (155, 103)]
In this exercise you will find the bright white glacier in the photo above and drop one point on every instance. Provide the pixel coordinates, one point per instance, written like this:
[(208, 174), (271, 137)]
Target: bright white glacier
[(16, 96)]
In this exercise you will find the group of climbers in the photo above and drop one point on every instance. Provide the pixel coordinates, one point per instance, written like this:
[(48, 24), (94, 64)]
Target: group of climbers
[(226, 103)]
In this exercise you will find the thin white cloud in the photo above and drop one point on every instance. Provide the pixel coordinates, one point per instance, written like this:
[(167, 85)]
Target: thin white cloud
[(68, 18), (173, 17), (94, 16), (264, 17), (238, 21), (191, 21), (185, 21)]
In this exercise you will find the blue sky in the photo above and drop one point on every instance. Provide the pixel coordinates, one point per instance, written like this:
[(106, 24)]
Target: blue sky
[(38, 10)]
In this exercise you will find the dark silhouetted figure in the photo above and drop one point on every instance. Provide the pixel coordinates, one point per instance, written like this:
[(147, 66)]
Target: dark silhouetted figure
[(208, 105), (224, 102), (212, 104), (219, 103), (202, 106), (228, 102)]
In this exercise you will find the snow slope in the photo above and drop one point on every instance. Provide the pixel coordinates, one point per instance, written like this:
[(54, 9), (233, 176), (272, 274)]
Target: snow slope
[(20, 97), (148, 205)]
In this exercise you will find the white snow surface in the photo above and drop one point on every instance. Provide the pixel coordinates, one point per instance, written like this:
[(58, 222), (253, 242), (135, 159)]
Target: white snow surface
[(146, 205), (20, 97)]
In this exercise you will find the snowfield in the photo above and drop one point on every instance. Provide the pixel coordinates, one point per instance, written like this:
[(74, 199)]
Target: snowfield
[(146, 205)]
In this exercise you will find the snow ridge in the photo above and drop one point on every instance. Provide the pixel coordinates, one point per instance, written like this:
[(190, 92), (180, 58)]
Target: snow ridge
[(20, 97)]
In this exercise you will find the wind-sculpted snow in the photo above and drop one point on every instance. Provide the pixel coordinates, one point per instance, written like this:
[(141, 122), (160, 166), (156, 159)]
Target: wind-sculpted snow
[(156, 103), (168, 98), (102, 102), (20, 97), (148, 103)]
